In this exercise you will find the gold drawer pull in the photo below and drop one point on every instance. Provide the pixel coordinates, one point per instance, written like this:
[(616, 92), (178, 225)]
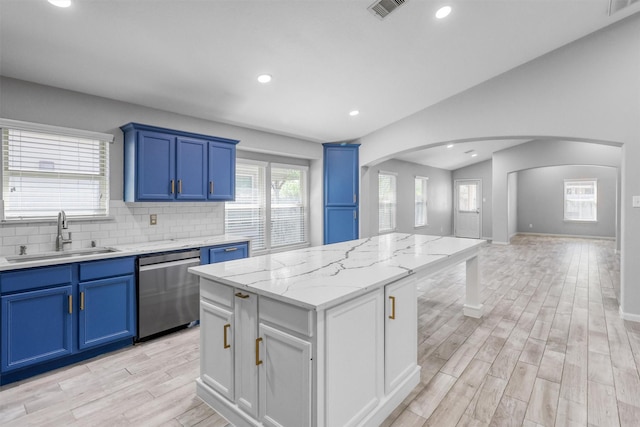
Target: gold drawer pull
[(258, 361), (173, 186), (210, 187), (226, 329), (70, 301), (393, 307), (241, 295), (81, 300), (230, 249), (179, 186)]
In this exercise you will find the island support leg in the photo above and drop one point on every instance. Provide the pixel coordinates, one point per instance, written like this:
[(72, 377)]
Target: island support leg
[(473, 306)]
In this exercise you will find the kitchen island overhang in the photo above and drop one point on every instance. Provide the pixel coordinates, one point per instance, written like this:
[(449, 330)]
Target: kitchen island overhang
[(321, 336)]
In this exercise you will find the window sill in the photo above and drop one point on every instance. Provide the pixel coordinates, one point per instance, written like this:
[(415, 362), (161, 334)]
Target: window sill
[(70, 219), (581, 221)]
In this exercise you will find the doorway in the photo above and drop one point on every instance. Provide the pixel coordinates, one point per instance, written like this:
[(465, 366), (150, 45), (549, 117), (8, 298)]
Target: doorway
[(467, 212)]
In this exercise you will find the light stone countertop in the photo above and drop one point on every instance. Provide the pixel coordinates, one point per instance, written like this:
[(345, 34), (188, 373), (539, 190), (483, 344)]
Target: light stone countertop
[(122, 251), (322, 276)]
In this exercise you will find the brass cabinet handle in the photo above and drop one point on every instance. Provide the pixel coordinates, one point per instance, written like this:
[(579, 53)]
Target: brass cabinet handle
[(354, 198), (226, 329), (230, 249), (81, 300), (179, 186), (173, 187), (355, 215), (70, 301), (258, 361), (210, 187), (393, 307), (241, 295)]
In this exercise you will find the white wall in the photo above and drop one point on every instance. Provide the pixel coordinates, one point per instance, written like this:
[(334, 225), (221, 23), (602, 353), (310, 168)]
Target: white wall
[(588, 90), (439, 198), (541, 201), (43, 104)]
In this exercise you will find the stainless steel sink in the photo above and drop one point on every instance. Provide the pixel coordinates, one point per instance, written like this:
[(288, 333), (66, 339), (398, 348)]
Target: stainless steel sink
[(60, 254)]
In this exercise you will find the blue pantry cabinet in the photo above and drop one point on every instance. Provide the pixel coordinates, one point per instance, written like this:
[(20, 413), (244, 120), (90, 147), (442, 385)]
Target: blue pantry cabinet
[(169, 165), (341, 189), (55, 316)]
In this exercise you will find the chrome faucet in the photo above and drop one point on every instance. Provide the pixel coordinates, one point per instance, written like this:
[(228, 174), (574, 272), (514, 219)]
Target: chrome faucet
[(62, 225)]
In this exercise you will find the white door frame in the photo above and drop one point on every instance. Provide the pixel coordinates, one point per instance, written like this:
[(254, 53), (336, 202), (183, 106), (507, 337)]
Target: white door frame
[(455, 204)]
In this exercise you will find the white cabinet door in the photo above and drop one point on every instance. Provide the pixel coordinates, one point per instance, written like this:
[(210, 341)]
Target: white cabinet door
[(246, 336), (285, 379), (217, 348), (400, 332)]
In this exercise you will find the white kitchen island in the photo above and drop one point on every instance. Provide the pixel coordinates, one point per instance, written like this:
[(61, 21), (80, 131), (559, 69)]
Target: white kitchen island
[(324, 336)]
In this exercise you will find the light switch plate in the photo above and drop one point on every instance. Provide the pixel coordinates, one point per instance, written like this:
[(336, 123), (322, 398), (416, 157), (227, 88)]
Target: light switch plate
[(636, 201)]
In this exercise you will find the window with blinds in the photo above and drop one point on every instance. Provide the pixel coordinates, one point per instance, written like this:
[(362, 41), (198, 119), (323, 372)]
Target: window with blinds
[(420, 201), (386, 202), (270, 206), (288, 205), (581, 200), (44, 173)]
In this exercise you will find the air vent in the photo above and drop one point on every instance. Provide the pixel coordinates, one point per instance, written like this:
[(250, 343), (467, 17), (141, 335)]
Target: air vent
[(616, 5), (382, 8)]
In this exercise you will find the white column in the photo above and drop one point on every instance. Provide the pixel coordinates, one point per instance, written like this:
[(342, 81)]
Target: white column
[(473, 306)]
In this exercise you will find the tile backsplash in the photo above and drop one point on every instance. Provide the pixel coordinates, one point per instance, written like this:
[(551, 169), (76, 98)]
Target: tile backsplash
[(128, 223)]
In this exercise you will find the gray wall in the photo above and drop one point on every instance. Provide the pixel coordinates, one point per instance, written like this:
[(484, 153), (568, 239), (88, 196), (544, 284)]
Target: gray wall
[(541, 201), (512, 203), (439, 198), (480, 171)]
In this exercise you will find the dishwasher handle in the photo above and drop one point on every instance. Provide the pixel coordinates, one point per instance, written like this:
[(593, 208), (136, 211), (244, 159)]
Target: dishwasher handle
[(168, 264)]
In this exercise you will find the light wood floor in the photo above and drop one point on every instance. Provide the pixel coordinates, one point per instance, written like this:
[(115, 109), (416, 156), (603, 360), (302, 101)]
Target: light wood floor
[(551, 349)]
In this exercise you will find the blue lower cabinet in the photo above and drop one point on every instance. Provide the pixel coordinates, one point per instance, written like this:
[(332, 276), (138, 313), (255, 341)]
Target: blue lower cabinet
[(223, 253), (106, 311), (37, 326), (341, 224), (46, 324)]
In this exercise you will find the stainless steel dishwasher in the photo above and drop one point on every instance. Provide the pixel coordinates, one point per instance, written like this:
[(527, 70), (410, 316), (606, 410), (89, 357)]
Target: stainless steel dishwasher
[(168, 295)]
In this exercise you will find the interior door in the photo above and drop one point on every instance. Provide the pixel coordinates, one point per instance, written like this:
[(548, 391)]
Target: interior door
[(468, 194)]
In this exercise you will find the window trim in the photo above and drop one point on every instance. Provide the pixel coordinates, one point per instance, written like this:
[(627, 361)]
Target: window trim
[(564, 200), (18, 125)]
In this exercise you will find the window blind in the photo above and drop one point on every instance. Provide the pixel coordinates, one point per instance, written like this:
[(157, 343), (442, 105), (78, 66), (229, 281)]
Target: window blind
[(246, 216), (386, 202), (44, 173), (581, 200), (288, 205), (420, 201)]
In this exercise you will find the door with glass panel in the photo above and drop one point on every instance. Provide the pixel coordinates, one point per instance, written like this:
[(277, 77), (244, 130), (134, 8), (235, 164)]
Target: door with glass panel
[(467, 217)]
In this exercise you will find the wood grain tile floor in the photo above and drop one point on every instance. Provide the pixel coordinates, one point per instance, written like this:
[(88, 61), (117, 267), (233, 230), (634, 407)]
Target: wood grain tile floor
[(550, 350)]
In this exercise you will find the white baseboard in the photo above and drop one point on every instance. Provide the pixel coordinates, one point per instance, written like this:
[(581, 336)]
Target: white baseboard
[(628, 316), (575, 236)]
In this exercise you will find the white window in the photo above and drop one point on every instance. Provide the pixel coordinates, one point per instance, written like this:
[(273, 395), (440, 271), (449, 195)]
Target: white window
[(46, 169), (386, 201), (270, 206), (581, 200), (420, 201)]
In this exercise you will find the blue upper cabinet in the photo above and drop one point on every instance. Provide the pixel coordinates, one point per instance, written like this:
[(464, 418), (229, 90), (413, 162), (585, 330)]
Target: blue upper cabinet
[(168, 165), (341, 196)]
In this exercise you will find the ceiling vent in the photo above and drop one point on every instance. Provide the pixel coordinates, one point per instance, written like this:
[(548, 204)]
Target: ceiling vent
[(382, 8), (616, 5)]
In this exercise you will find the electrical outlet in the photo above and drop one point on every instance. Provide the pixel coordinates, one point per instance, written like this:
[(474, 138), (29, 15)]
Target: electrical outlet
[(153, 219)]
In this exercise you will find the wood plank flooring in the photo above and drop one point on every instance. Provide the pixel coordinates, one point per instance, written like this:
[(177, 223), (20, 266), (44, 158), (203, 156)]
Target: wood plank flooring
[(551, 349)]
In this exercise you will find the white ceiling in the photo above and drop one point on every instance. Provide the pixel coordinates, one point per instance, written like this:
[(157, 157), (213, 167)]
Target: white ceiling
[(327, 57)]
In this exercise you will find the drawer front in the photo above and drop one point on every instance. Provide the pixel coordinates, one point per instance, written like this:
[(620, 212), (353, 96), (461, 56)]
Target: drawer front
[(217, 293), (228, 252), (34, 278), (294, 318), (108, 268)]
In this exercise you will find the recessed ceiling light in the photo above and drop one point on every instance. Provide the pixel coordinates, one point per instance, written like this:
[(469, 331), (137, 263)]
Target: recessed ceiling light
[(443, 12), (60, 3), (450, 146), (264, 78), (354, 113), (474, 155)]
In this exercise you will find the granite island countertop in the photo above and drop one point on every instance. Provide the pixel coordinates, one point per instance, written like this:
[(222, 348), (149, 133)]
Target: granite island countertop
[(323, 276)]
